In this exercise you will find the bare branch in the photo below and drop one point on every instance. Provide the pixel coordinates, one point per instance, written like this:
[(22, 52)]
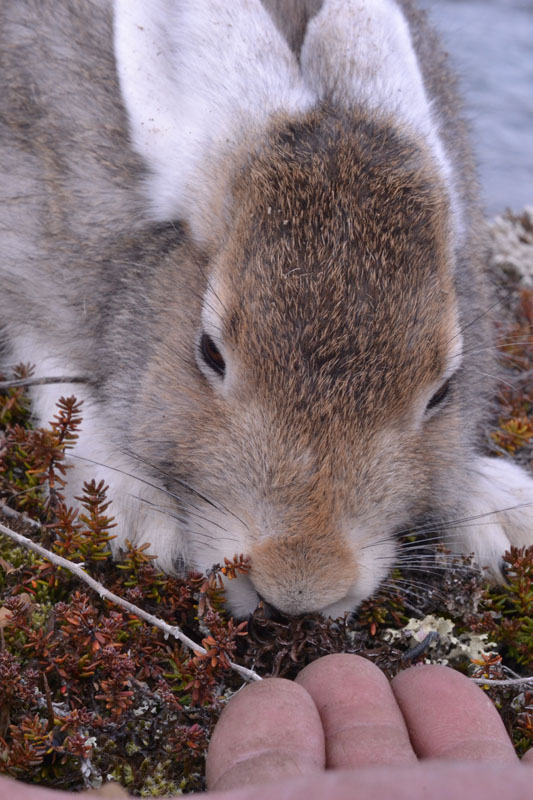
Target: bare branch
[(10, 512), (506, 682), (76, 569)]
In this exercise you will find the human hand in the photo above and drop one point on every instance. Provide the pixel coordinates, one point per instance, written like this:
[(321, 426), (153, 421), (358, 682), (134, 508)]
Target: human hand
[(343, 731)]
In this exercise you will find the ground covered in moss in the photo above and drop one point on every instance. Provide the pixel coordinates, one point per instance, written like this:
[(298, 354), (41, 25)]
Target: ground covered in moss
[(90, 693)]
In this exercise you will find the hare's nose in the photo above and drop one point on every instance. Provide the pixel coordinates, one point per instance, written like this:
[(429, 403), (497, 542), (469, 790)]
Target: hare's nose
[(297, 578)]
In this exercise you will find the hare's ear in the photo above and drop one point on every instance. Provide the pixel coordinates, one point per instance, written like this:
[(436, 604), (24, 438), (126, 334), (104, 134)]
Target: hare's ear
[(198, 78), (361, 53)]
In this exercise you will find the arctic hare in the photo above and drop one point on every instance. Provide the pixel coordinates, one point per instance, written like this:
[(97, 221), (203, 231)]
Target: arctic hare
[(253, 228)]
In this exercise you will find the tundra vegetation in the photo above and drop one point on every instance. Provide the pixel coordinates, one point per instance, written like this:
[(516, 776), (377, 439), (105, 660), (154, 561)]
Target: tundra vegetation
[(91, 693)]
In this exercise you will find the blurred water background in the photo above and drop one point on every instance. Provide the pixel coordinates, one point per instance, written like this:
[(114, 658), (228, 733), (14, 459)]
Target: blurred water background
[(491, 46)]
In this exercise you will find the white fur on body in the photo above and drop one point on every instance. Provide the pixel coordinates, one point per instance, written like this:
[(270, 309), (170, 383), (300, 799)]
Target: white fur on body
[(498, 512), (200, 80)]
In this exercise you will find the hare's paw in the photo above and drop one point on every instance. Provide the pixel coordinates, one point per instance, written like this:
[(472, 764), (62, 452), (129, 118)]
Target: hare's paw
[(498, 513)]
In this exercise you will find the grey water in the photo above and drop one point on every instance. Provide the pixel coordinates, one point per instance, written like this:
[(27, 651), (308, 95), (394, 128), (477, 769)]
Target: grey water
[(490, 43)]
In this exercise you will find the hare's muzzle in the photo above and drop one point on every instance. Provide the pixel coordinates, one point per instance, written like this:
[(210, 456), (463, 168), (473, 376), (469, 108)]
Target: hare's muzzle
[(301, 574)]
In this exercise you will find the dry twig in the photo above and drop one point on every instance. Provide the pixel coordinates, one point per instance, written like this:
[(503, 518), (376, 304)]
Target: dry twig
[(76, 569)]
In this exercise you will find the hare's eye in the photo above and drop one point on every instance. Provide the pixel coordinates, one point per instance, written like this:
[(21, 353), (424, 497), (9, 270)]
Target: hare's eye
[(439, 396), (212, 355)]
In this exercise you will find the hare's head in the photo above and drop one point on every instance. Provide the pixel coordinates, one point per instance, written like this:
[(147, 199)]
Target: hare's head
[(307, 392)]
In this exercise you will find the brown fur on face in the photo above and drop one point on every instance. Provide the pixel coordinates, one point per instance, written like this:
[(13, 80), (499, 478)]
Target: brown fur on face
[(337, 308), (338, 268), (335, 218), (282, 566)]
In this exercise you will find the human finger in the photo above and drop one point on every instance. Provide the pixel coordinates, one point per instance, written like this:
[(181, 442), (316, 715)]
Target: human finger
[(449, 717), (269, 730), (438, 780), (362, 722)]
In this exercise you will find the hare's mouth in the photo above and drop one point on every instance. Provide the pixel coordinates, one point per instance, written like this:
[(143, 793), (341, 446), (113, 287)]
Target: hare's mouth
[(243, 599)]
